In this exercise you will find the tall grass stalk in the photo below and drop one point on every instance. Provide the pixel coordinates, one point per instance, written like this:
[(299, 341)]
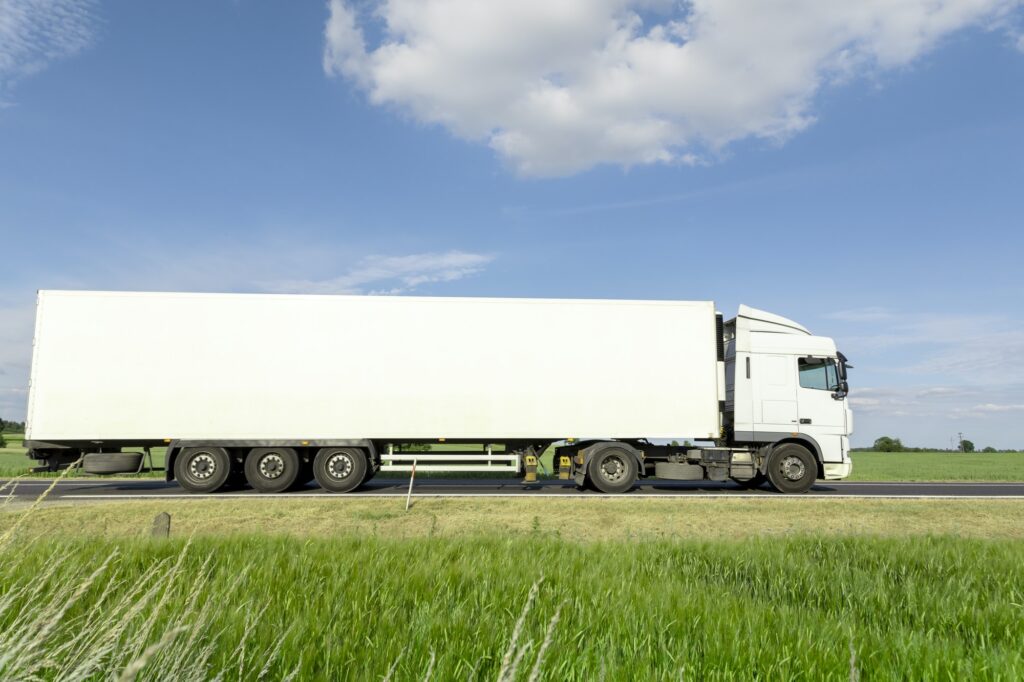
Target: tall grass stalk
[(6, 537)]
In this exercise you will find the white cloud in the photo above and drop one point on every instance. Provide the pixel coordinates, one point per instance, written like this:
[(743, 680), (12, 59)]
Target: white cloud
[(391, 274), (925, 376), (559, 87), (973, 347), (914, 400), (34, 33), (996, 408), (929, 416)]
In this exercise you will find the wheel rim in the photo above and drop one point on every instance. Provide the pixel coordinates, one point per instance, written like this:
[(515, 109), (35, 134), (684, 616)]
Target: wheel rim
[(202, 466), (793, 468), (339, 465), (612, 468), (271, 465)]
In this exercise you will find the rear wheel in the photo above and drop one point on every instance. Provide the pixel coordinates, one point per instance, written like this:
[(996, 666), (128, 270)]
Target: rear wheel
[(340, 470), (370, 473), (792, 469), (272, 470), (202, 470), (612, 470)]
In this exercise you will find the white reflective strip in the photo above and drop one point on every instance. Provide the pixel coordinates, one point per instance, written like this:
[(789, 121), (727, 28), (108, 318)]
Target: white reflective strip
[(446, 467), (445, 458)]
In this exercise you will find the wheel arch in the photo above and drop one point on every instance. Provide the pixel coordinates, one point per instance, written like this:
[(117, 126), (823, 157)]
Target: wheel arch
[(590, 451), (799, 439)]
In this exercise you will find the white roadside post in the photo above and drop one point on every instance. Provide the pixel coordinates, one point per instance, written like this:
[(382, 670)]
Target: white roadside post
[(408, 498)]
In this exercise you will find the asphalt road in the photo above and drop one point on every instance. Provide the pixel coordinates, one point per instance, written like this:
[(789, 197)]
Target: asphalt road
[(143, 489)]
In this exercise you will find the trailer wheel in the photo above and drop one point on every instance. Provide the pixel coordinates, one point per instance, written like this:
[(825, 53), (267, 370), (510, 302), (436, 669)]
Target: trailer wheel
[(756, 482), (340, 470), (612, 470), (792, 469), (272, 470), (202, 470)]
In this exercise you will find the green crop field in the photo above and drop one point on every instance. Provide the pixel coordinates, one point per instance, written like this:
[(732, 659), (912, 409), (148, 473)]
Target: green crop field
[(496, 606), (937, 466)]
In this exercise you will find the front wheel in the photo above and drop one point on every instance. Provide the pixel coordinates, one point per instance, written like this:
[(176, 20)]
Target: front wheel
[(792, 468), (340, 470)]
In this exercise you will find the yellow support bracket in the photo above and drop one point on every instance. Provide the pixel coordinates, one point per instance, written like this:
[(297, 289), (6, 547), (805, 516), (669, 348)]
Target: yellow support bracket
[(564, 467), (531, 468)]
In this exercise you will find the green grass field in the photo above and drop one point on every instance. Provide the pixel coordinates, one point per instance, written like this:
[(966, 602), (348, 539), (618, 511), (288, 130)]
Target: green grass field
[(447, 608), (937, 466), (589, 588), (867, 466)]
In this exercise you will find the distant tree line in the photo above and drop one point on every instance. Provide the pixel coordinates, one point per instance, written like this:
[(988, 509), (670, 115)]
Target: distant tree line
[(11, 427), (889, 444)]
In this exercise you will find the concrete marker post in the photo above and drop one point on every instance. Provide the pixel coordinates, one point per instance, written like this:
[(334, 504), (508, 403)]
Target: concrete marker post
[(161, 526), (408, 498)]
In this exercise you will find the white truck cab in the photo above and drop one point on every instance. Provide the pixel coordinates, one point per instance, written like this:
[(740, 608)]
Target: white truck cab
[(784, 384)]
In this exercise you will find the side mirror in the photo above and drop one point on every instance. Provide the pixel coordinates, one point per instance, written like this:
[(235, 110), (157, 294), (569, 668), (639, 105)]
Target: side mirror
[(843, 365), (842, 391)]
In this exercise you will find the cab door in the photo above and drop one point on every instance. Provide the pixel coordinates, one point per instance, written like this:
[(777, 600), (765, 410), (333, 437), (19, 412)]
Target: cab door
[(773, 389), (821, 406)]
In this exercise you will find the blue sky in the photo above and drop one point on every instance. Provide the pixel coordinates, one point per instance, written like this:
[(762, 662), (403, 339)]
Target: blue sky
[(866, 182)]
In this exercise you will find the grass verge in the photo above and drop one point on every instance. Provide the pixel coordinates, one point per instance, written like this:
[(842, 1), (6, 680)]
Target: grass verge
[(581, 589), (460, 608), (591, 519)]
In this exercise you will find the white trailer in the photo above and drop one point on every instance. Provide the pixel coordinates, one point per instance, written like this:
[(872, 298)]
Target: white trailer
[(275, 390)]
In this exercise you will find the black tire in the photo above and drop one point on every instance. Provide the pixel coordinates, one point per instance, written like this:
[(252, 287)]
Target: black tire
[(612, 470), (751, 483), (202, 470), (272, 470), (792, 468), (371, 471), (340, 470)]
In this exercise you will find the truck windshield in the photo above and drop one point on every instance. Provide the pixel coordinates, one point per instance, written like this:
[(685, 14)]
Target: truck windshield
[(818, 373)]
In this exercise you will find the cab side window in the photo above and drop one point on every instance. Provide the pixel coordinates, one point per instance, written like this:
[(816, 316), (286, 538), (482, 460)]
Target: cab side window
[(818, 373)]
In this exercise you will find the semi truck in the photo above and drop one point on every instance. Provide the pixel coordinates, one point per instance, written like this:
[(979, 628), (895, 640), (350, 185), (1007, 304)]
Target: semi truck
[(279, 391)]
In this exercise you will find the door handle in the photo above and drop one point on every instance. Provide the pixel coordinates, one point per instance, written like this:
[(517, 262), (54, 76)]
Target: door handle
[(805, 421)]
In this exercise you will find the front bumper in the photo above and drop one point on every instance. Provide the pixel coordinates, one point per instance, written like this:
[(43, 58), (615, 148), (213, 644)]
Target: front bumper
[(837, 470)]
